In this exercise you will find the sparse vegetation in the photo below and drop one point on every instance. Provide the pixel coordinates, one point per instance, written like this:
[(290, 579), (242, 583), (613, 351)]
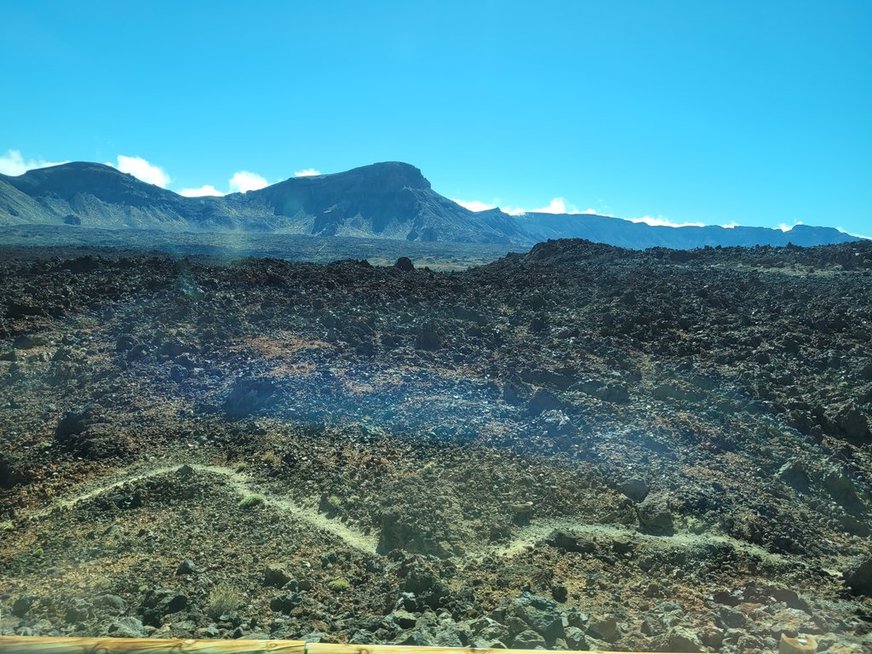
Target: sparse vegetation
[(271, 459), (339, 585), (223, 600), (252, 501)]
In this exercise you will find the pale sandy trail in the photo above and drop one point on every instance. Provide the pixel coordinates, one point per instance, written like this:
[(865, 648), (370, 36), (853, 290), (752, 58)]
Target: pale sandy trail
[(539, 530), (524, 538), (241, 485)]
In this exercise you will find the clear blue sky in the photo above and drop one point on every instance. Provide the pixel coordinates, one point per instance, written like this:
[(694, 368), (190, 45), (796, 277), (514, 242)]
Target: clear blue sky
[(749, 112)]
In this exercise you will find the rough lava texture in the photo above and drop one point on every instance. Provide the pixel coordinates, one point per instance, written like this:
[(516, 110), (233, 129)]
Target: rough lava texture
[(577, 447)]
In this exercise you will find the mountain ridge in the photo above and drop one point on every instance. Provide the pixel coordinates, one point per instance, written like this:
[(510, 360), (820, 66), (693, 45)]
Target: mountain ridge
[(390, 200)]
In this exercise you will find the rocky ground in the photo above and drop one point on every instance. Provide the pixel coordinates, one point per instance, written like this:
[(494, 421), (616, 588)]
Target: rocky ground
[(579, 447)]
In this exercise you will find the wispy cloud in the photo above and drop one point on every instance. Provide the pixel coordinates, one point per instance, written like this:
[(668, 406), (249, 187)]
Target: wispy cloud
[(784, 227), (557, 205), (13, 163), (660, 221), (240, 182), (307, 172), (142, 170), (244, 180), (474, 205), (207, 190)]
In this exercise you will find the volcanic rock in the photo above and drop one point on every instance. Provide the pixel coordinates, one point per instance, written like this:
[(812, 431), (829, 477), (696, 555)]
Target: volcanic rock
[(634, 488), (859, 578), (655, 516)]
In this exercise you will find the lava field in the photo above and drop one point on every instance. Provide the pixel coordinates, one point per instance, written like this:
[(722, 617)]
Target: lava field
[(580, 447)]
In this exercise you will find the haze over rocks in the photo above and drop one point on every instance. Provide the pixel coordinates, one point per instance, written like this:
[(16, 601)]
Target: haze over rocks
[(579, 446)]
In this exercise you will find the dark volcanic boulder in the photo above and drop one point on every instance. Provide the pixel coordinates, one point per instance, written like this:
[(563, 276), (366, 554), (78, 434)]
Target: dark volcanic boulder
[(514, 393), (74, 423), (248, 395), (634, 488), (22, 605), (89, 433), (655, 516), (158, 603), (11, 473), (286, 602), (405, 264), (543, 400), (794, 473), (529, 639), (851, 421), (859, 579), (423, 577), (427, 337), (540, 614)]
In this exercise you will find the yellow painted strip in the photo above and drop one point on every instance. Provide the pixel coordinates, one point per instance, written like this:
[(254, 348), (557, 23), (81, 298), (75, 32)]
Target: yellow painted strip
[(67, 645)]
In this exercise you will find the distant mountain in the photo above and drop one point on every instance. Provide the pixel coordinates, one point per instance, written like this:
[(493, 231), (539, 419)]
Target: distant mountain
[(385, 200), (95, 195), (627, 234)]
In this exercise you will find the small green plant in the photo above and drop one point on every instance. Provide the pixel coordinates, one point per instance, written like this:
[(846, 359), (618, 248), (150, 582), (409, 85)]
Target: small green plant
[(223, 599), (339, 585), (271, 459), (251, 501)]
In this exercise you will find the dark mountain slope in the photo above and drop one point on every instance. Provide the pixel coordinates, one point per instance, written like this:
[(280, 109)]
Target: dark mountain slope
[(627, 234), (391, 200), (16, 207), (105, 183), (96, 195)]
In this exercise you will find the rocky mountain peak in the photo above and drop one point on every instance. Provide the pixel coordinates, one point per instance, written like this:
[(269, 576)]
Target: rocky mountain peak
[(388, 174)]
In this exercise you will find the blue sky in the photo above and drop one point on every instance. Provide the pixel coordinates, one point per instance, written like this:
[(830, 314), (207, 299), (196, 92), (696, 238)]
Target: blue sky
[(755, 113)]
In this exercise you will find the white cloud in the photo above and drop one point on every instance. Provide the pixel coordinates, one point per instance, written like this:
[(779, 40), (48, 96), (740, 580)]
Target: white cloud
[(204, 191), (143, 170), (730, 225), (557, 205), (474, 205), (660, 221), (14, 164), (244, 180), (307, 172), (784, 227)]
